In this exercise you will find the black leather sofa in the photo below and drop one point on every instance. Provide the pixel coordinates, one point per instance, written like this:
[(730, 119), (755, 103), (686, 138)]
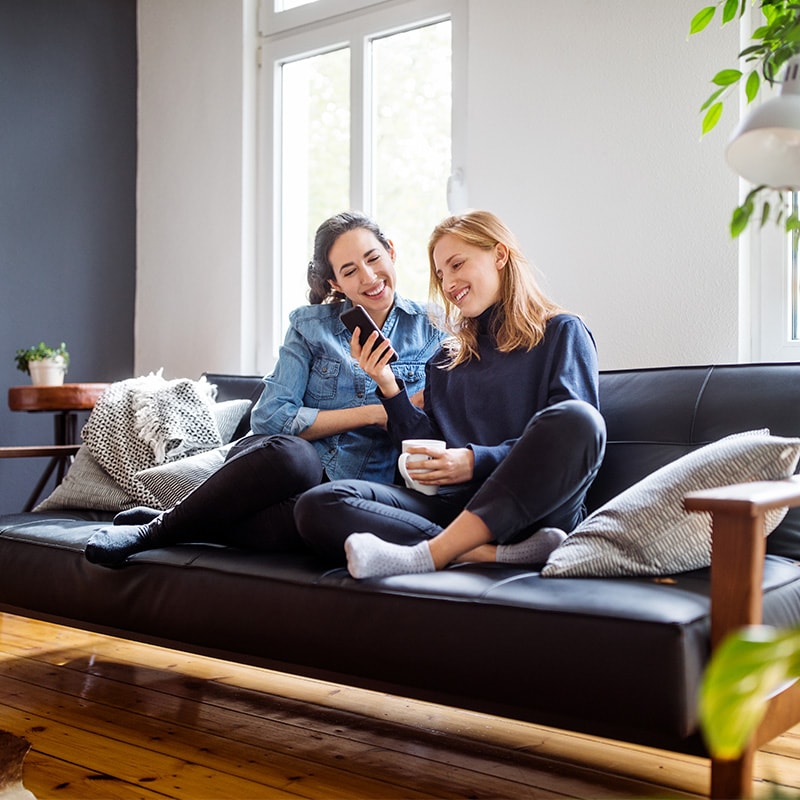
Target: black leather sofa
[(620, 658)]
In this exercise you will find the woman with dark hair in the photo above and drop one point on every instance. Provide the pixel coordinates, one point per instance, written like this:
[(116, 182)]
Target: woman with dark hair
[(318, 417), (513, 393)]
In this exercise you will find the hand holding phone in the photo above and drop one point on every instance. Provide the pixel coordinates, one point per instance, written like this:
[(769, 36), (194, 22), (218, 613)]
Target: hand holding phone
[(357, 317)]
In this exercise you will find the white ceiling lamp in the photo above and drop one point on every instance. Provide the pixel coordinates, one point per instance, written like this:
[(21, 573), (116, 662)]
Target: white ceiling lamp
[(765, 146)]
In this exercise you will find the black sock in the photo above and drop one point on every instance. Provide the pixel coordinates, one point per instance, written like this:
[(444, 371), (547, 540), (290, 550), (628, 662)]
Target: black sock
[(112, 545)]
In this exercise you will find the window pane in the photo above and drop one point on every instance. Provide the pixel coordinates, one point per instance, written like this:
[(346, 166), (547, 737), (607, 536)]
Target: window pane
[(411, 143), (315, 161), (285, 5)]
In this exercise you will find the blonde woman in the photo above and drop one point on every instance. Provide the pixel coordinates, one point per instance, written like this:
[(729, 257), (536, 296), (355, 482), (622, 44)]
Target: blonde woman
[(513, 393)]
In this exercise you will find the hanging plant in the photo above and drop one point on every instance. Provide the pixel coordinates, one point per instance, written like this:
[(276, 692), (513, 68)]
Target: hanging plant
[(773, 43)]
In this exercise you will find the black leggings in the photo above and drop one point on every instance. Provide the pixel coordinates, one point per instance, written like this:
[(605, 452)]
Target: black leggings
[(542, 482), (248, 501)]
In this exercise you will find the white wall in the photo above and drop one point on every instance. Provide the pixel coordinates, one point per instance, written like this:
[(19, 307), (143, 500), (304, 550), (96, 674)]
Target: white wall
[(193, 270), (583, 133)]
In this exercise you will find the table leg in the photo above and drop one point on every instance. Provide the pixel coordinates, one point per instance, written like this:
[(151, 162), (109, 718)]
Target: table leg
[(65, 424), (42, 482), (65, 427)]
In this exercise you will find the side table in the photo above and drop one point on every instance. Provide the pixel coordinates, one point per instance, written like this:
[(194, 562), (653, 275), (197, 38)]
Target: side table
[(64, 402)]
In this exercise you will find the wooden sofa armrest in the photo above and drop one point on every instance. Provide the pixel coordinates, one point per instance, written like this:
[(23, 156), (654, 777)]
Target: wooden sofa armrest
[(738, 546), (50, 450)]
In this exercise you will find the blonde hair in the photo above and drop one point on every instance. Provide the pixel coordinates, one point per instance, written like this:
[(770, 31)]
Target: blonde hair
[(523, 310)]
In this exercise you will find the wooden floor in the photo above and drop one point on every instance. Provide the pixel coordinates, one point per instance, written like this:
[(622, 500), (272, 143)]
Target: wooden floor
[(111, 719)]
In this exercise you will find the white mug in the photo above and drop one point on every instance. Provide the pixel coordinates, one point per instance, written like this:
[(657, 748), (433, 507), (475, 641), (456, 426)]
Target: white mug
[(412, 460)]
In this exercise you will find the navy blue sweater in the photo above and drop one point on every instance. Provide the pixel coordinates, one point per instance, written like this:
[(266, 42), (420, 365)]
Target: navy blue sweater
[(485, 403)]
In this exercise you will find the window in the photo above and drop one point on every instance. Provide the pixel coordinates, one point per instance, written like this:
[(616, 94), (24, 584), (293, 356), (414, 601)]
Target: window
[(285, 5), (276, 16), (355, 113), (769, 298), (770, 277)]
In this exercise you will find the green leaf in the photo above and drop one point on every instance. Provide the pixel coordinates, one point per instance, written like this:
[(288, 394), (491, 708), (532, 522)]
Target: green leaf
[(769, 69), (744, 671), (754, 191), (779, 57), (701, 19), (792, 222), (752, 86), (729, 12), (754, 53), (711, 118), (792, 34), (726, 77), (765, 213), (711, 99), (740, 218), (754, 48), (771, 12)]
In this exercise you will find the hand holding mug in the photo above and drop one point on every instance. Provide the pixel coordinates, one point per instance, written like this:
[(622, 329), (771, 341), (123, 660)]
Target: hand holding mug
[(423, 450)]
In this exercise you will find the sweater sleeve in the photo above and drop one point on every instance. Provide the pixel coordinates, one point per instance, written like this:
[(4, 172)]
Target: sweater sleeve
[(571, 374), (405, 420), (574, 371)]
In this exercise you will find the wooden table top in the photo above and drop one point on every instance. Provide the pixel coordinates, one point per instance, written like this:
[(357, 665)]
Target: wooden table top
[(67, 397)]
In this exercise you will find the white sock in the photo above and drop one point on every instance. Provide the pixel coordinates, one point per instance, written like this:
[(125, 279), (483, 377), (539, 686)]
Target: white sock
[(534, 550), (371, 557)]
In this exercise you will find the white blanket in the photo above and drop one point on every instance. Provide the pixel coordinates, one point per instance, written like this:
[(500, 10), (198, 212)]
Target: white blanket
[(143, 422)]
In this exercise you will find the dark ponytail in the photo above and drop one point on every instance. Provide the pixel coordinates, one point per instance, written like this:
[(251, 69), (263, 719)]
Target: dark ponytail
[(320, 271)]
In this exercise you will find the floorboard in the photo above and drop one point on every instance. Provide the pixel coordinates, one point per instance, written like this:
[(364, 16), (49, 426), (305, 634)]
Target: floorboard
[(109, 718)]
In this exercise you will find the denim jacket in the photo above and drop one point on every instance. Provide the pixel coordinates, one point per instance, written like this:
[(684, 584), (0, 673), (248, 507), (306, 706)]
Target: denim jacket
[(315, 371)]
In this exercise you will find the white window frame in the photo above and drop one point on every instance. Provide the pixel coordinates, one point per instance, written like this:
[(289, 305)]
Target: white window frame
[(327, 32), (766, 280), (271, 22), (765, 269)]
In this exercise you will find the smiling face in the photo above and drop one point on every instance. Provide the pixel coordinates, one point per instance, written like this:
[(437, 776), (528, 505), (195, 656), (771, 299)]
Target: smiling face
[(470, 276), (364, 272)]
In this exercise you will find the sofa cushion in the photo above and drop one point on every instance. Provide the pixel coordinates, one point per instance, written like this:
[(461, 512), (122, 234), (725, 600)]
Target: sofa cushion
[(645, 530), (228, 414), (171, 482), (785, 541), (87, 485)]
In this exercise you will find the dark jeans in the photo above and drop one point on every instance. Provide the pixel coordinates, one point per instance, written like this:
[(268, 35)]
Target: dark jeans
[(541, 483), (248, 502)]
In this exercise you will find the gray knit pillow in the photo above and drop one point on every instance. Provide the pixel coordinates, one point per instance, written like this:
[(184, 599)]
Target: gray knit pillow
[(228, 414), (87, 485), (645, 530), (170, 483)]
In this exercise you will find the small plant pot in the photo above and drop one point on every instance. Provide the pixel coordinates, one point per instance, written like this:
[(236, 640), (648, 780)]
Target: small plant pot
[(48, 371)]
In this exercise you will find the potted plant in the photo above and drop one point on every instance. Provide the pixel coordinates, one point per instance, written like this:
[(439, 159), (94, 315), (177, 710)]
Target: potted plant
[(747, 669), (773, 44), (46, 365)]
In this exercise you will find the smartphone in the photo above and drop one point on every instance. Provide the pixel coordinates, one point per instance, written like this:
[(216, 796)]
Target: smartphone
[(357, 317)]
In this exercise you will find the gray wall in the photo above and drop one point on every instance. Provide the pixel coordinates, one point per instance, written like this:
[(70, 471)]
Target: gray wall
[(68, 83)]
